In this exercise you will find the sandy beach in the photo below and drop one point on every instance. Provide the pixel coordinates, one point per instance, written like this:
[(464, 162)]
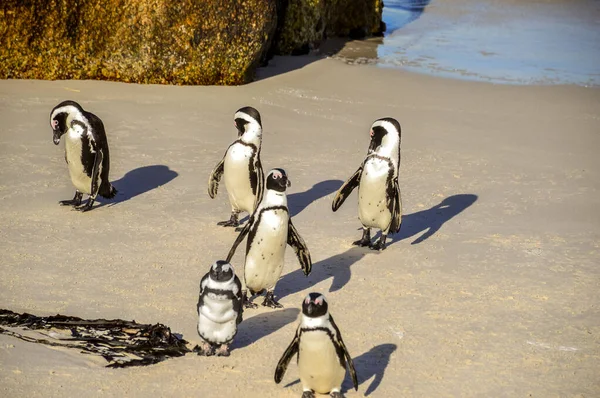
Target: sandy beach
[(490, 289)]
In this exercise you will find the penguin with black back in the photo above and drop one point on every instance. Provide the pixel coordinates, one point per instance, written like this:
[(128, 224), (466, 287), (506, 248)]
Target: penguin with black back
[(86, 152), (321, 353), (269, 231), (219, 309), (241, 167), (379, 199)]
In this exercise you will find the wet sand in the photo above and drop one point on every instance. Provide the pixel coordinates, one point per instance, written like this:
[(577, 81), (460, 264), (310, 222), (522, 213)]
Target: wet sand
[(490, 289), (499, 41)]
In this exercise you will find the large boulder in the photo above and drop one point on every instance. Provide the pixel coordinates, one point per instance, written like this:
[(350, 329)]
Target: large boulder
[(164, 41), (143, 41), (307, 22)]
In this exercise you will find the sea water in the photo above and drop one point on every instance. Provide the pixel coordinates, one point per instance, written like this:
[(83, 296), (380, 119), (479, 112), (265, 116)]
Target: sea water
[(500, 41)]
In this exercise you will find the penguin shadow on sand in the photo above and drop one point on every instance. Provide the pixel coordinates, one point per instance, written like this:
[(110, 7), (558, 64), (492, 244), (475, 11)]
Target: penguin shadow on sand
[(429, 221), (301, 200), (424, 222), (370, 364), (255, 328), (139, 181)]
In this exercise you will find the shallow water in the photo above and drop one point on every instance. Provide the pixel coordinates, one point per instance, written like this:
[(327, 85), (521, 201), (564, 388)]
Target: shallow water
[(501, 41)]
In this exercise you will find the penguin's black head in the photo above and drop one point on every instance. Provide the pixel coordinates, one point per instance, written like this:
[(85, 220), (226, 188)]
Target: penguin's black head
[(58, 118), (221, 271), (314, 305), (277, 180), (381, 128), (245, 116)]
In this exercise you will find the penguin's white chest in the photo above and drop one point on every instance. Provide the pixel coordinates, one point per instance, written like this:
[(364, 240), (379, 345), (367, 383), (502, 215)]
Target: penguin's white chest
[(372, 196), (237, 177), (73, 152), (264, 260), (318, 363), (217, 319)]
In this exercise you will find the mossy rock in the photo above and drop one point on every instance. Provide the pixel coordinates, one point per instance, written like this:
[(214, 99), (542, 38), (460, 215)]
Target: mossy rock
[(144, 41), (307, 22)]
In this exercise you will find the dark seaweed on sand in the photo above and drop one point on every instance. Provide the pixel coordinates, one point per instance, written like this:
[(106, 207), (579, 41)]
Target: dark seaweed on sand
[(121, 343)]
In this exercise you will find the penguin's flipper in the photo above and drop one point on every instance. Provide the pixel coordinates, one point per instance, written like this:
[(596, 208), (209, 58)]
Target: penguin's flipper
[(295, 240), (203, 283), (260, 182), (346, 189), (283, 363), (96, 171), (215, 177), (343, 354), (395, 205), (238, 300), (240, 238)]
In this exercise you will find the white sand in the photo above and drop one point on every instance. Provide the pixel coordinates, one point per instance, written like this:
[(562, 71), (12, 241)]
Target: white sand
[(500, 300)]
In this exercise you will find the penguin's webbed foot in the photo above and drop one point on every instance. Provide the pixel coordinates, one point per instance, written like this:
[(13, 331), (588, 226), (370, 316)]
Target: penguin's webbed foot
[(365, 240), (270, 301), (222, 351), (336, 394), (362, 242), (308, 394), (86, 207), (380, 244), (246, 301), (204, 349), (249, 304), (76, 201), (232, 222)]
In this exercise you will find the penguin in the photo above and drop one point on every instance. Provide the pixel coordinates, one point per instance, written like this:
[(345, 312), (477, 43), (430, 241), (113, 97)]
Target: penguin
[(241, 167), (322, 355), (379, 199), (86, 152), (269, 229), (219, 309)]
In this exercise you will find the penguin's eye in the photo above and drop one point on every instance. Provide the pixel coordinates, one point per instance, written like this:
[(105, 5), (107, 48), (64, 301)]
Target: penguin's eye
[(371, 133), (319, 301), (275, 176), (307, 301), (54, 123)]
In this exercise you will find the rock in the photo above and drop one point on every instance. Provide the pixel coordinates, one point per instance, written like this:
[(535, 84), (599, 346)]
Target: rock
[(308, 22), (201, 42), (141, 41)]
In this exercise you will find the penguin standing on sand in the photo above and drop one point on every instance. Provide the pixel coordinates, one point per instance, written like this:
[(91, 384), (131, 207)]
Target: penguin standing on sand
[(244, 178), (379, 200), (86, 152), (322, 354), (219, 309), (269, 229)]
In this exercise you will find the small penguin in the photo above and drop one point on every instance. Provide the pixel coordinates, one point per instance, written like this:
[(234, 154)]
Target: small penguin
[(270, 228), (244, 178), (379, 200), (86, 152), (219, 309), (322, 354)]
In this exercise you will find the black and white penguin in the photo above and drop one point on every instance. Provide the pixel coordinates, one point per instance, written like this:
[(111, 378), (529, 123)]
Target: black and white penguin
[(379, 200), (86, 152), (243, 173), (269, 229), (322, 354), (219, 309)]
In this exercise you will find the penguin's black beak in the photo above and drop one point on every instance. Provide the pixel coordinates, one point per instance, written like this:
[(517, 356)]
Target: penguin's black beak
[(372, 146), (56, 137), (289, 183), (310, 308)]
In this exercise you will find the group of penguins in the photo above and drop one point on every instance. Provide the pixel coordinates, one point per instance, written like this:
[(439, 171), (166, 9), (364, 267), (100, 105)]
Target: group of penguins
[(321, 353)]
